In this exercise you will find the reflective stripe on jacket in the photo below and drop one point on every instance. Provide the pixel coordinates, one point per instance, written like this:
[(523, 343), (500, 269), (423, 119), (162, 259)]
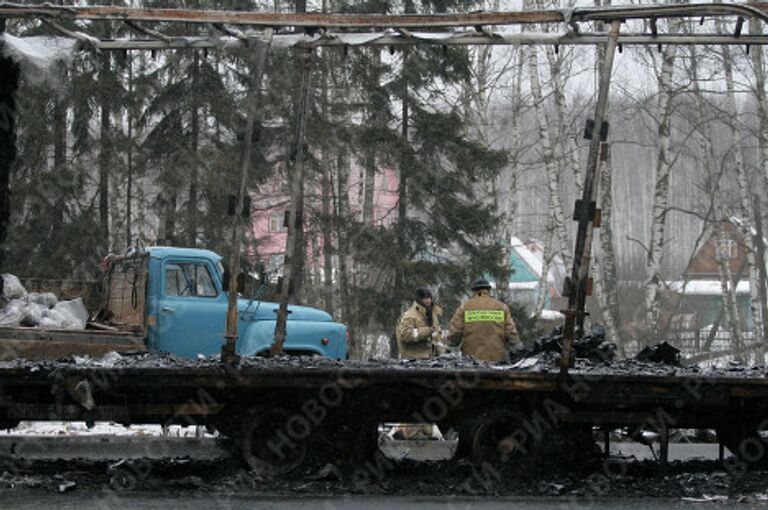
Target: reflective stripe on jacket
[(484, 327)]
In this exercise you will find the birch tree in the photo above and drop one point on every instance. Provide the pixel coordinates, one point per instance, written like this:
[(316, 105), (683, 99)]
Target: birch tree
[(549, 155), (742, 181), (758, 69), (728, 286), (664, 164)]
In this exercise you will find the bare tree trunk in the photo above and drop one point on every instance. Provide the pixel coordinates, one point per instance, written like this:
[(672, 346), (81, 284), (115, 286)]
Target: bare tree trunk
[(59, 136), (326, 213), (343, 212), (546, 261), (193, 149), (569, 150), (728, 288), (550, 159), (294, 246), (168, 230), (510, 214), (105, 151), (129, 159), (744, 192), (758, 68), (661, 194)]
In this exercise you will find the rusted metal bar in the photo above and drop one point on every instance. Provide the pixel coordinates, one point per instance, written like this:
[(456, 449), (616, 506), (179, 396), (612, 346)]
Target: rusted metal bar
[(318, 20), (259, 63), (444, 39), (272, 19), (664, 442), (147, 31), (578, 288)]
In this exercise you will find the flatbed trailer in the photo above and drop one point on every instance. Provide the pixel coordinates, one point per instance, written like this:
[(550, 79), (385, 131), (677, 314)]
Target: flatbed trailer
[(276, 408)]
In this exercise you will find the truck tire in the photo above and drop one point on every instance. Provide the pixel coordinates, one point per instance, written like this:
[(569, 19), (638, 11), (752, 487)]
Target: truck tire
[(273, 441), (486, 438), (746, 445), (502, 436)]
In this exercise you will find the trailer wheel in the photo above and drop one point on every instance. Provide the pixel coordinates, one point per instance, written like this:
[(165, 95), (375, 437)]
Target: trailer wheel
[(489, 437), (745, 444), (271, 443)]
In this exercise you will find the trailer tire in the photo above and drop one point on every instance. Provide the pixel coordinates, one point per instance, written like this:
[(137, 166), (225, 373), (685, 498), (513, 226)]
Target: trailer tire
[(485, 437), (270, 445), (746, 445)]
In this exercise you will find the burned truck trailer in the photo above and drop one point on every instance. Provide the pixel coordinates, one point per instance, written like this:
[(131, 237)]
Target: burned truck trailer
[(278, 411)]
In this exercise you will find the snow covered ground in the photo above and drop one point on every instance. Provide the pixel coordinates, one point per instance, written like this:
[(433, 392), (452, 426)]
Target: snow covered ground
[(79, 428)]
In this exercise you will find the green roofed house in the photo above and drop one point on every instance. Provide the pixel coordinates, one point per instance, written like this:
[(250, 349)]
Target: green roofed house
[(526, 260)]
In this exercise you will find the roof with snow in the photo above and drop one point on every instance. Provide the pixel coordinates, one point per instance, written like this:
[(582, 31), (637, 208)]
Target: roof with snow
[(527, 261), (705, 287)]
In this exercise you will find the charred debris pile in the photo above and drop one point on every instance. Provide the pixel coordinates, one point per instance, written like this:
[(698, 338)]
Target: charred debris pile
[(594, 355)]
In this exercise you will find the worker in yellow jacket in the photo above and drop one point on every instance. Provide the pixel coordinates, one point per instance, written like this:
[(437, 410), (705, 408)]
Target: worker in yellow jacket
[(418, 327), (484, 326)]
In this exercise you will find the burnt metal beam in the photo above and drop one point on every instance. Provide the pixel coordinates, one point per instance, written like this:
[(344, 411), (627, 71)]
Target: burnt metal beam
[(580, 284), (448, 39), (318, 20), (9, 83), (254, 115)]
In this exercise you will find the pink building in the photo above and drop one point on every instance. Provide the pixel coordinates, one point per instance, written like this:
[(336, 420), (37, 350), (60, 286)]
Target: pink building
[(270, 205)]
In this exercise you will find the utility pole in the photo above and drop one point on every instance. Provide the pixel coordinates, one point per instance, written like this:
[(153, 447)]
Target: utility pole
[(295, 220), (586, 212), (259, 64)]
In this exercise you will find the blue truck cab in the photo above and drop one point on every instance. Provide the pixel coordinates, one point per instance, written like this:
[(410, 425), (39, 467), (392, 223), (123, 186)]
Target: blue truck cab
[(180, 293)]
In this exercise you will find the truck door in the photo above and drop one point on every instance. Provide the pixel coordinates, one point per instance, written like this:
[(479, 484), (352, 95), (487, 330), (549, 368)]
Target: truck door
[(191, 315)]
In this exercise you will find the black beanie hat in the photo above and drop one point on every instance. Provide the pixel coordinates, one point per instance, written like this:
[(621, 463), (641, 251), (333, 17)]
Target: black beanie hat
[(422, 292), (481, 284)]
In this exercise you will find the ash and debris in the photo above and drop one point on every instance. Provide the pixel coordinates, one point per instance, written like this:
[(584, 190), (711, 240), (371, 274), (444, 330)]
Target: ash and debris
[(594, 356), (692, 480)]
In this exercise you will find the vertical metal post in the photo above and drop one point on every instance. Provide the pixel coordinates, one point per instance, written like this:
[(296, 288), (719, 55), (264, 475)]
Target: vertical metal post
[(664, 448), (578, 287), (9, 82), (293, 249), (228, 350)]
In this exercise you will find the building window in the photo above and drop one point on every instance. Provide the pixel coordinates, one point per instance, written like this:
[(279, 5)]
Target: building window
[(277, 222), (733, 249)]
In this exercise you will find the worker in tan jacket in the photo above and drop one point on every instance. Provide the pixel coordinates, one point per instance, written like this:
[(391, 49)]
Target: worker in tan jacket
[(484, 326), (418, 327)]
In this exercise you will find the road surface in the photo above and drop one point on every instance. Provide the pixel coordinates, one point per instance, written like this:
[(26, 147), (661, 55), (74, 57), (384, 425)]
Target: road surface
[(78, 501)]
